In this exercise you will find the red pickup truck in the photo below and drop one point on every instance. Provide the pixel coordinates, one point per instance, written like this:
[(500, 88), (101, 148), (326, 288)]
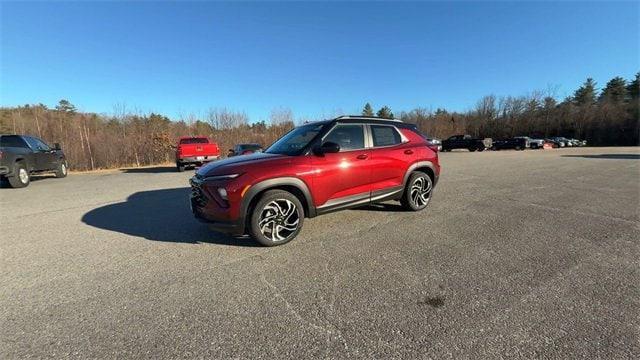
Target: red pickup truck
[(195, 151)]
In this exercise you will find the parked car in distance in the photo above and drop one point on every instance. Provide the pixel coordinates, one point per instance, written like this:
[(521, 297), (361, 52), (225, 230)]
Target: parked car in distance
[(435, 144), (464, 142), (244, 149), (558, 141), (22, 156), (533, 143), (517, 143), (193, 151), (575, 142), (315, 169)]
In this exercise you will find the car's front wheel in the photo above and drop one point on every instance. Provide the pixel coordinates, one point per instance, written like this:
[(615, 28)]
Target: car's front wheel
[(417, 193), (276, 218), (62, 170)]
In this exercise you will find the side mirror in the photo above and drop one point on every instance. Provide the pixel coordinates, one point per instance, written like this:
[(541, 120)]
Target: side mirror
[(56, 147), (327, 148)]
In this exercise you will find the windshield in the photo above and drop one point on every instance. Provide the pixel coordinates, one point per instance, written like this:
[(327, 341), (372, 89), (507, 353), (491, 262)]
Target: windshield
[(295, 140)]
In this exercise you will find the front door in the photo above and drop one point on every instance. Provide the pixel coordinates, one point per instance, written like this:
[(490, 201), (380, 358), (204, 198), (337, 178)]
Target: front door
[(343, 178)]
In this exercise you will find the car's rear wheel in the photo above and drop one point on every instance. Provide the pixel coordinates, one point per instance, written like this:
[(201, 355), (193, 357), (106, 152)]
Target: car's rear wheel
[(472, 149), (417, 193), (180, 167), (62, 170), (276, 218), (20, 177)]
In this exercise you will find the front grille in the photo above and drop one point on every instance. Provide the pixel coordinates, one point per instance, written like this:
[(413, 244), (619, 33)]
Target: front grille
[(197, 194)]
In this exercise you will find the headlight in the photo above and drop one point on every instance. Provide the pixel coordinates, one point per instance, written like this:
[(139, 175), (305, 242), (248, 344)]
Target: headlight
[(221, 177), (223, 193)]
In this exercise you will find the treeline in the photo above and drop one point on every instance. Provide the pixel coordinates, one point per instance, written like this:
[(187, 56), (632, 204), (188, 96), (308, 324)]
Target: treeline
[(607, 117), (93, 141)]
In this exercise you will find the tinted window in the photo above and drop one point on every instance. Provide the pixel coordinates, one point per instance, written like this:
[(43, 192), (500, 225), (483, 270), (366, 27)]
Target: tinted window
[(385, 135), (40, 145), (32, 143), (252, 147), (349, 137), (12, 141), (194, 141)]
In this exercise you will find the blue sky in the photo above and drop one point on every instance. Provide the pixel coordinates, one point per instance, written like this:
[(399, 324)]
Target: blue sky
[(317, 59)]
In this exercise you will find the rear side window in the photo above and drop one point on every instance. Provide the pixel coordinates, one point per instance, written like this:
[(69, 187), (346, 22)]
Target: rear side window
[(194, 141), (12, 141), (349, 137), (385, 135)]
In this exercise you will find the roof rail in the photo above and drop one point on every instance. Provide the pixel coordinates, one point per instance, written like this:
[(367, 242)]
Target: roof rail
[(366, 117)]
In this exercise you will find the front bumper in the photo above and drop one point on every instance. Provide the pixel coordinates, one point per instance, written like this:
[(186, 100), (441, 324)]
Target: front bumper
[(208, 207), (4, 170)]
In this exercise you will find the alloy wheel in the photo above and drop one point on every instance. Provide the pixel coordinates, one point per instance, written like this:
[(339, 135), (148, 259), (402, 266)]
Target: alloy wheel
[(23, 175), (421, 191), (279, 219)]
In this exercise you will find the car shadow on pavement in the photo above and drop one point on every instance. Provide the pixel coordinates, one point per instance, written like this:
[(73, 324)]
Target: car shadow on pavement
[(149, 170), (607, 156), (159, 215)]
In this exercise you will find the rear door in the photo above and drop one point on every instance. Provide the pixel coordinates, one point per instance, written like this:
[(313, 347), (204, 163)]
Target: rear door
[(343, 178), (391, 156)]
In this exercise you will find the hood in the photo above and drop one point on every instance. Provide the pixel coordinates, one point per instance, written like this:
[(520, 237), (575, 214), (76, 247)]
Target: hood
[(220, 167)]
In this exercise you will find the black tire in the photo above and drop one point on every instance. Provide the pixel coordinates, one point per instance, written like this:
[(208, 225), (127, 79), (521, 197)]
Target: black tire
[(472, 149), (274, 207), (62, 170), (409, 200), (20, 176), (180, 167), (481, 149)]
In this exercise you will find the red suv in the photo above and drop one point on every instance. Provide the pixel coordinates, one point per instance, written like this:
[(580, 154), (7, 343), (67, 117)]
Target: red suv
[(314, 169)]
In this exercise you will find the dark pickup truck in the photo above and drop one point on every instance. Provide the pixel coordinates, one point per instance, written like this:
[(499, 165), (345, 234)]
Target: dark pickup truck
[(517, 143), (21, 156), (464, 142)]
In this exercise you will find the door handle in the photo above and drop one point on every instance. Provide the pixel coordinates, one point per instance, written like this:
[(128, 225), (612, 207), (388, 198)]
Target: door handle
[(362, 156), (408, 152)]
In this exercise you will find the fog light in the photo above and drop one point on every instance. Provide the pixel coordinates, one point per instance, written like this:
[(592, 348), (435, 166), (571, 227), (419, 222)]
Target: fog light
[(223, 193)]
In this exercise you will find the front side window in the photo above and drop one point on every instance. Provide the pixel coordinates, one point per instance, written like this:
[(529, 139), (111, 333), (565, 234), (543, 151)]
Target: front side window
[(348, 136), (32, 143), (385, 135), (41, 145)]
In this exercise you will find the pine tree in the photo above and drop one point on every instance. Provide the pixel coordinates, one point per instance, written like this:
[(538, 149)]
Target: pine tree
[(367, 110), (615, 91), (385, 112), (633, 89), (586, 94), (65, 106)]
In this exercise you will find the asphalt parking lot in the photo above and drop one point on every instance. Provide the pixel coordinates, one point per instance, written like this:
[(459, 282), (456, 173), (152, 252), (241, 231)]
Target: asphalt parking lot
[(520, 254)]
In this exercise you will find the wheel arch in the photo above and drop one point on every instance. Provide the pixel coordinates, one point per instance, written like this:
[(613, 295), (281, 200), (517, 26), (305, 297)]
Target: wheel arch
[(293, 185), (426, 167)]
